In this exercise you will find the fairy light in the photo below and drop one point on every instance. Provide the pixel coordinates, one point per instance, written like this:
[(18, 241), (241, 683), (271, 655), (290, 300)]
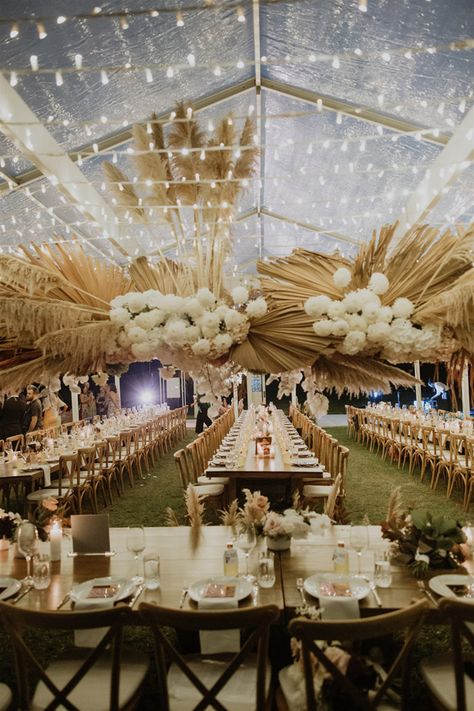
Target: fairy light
[(78, 61), (103, 77), (362, 5), (191, 59), (240, 14), (386, 56), (170, 73), (217, 71), (148, 75), (60, 19), (13, 79), (336, 63), (34, 62), (14, 32), (41, 30), (59, 78), (124, 22), (179, 19)]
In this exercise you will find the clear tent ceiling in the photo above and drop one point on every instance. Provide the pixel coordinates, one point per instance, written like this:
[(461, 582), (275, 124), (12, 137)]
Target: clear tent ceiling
[(352, 109)]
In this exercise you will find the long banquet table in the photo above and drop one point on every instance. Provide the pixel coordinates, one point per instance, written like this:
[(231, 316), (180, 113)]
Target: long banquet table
[(182, 565)]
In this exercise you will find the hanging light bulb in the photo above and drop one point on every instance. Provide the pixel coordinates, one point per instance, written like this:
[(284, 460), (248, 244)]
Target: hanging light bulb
[(191, 60), (14, 32), (124, 22), (78, 61), (103, 77), (60, 20), (13, 79), (59, 78), (179, 19), (41, 30), (362, 5), (34, 62), (240, 14)]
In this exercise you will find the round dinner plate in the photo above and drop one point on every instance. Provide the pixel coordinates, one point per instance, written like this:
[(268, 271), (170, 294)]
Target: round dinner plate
[(358, 586), (304, 462), (440, 583), (80, 592), (243, 587), (11, 587)]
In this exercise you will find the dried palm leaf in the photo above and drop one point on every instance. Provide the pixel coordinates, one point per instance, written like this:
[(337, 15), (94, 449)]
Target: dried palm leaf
[(395, 513), (122, 190), (246, 163), (166, 275), (151, 167), (195, 513), (14, 378), (16, 274), (358, 374), (85, 347)]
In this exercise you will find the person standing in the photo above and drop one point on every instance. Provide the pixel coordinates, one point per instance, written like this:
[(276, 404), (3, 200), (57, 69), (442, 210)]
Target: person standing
[(87, 402), (33, 419), (12, 416), (202, 418), (101, 402), (112, 400)]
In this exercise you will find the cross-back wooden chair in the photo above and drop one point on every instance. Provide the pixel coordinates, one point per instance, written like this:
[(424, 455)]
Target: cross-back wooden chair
[(92, 678), (446, 676), (64, 488), (307, 631), (15, 442), (250, 663)]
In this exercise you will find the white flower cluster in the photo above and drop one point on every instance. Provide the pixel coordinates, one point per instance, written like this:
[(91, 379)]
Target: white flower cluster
[(214, 382), (73, 381), (201, 326), (359, 321), (287, 382), (100, 378), (317, 403)]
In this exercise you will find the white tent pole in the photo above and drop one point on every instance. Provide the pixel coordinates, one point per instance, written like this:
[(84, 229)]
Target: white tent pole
[(466, 404), (75, 405), (119, 392), (419, 402)]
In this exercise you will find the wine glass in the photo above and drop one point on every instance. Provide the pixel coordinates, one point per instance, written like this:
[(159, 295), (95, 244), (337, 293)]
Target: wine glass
[(359, 541), (246, 541), (136, 545), (26, 539)]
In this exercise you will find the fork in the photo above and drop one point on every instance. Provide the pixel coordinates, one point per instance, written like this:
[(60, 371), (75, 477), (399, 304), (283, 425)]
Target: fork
[(300, 588), (422, 587)]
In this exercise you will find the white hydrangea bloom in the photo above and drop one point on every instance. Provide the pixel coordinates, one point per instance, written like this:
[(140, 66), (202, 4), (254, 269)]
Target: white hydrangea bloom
[(221, 311), (119, 301), (240, 295), (378, 332), (201, 347), (370, 312), (173, 304), (175, 332), (142, 351), (120, 316), (193, 333), (149, 319), (379, 283), (323, 328), (353, 343), (257, 308), (317, 306), (336, 310), (209, 324), (194, 308), (206, 297), (137, 334), (402, 308), (136, 302), (222, 343), (366, 296), (234, 319), (351, 303), (356, 322), (385, 314), (340, 327), (155, 299), (342, 277)]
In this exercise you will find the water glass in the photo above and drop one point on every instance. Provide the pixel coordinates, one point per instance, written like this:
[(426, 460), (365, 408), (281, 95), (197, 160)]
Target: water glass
[(41, 571), (382, 572), (266, 569), (151, 571)]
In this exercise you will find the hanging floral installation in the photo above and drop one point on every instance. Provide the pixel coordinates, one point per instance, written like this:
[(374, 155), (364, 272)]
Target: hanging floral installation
[(345, 324)]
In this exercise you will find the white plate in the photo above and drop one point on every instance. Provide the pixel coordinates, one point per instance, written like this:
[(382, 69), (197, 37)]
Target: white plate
[(243, 587), (11, 586), (80, 592), (359, 587), (304, 462), (439, 584)]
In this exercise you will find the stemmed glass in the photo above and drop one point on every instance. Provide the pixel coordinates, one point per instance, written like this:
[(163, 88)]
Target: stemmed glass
[(136, 545), (246, 541), (359, 541), (26, 539)]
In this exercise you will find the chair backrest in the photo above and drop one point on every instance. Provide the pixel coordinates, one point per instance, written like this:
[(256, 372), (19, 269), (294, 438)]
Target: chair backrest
[(68, 472), (460, 613), (307, 631), (185, 474), (16, 442), (17, 621), (256, 620)]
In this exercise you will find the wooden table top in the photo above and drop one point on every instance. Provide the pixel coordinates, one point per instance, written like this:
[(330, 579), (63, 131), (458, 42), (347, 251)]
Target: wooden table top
[(179, 566)]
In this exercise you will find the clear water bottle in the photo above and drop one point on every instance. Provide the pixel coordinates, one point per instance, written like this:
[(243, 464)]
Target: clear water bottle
[(340, 559), (231, 561)]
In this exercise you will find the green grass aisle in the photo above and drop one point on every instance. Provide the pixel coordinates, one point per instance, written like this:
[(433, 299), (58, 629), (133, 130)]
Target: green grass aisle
[(145, 504), (370, 481)]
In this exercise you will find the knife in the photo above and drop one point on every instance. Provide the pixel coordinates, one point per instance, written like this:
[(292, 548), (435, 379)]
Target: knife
[(24, 592), (183, 597), (136, 595), (64, 601)]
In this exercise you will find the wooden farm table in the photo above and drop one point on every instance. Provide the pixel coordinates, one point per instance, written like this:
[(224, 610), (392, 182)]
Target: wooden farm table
[(267, 470), (180, 565)]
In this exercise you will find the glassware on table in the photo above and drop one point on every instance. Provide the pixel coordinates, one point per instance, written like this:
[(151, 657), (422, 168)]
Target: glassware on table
[(246, 541), (359, 541), (136, 545), (41, 571), (151, 571), (382, 572), (266, 569), (26, 541)]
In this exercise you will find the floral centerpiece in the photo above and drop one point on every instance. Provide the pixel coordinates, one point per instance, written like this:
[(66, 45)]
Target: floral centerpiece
[(278, 528), (426, 541), (8, 525)]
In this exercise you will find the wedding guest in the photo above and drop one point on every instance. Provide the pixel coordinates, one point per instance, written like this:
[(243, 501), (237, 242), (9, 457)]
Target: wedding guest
[(112, 400), (12, 415), (53, 407), (101, 402), (202, 418), (87, 403), (33, 418), (224, 406)]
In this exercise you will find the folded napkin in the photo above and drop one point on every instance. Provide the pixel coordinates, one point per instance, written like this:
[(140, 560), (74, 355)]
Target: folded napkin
[(339, 608), (91, 637), (223, 640), (46, 473)]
